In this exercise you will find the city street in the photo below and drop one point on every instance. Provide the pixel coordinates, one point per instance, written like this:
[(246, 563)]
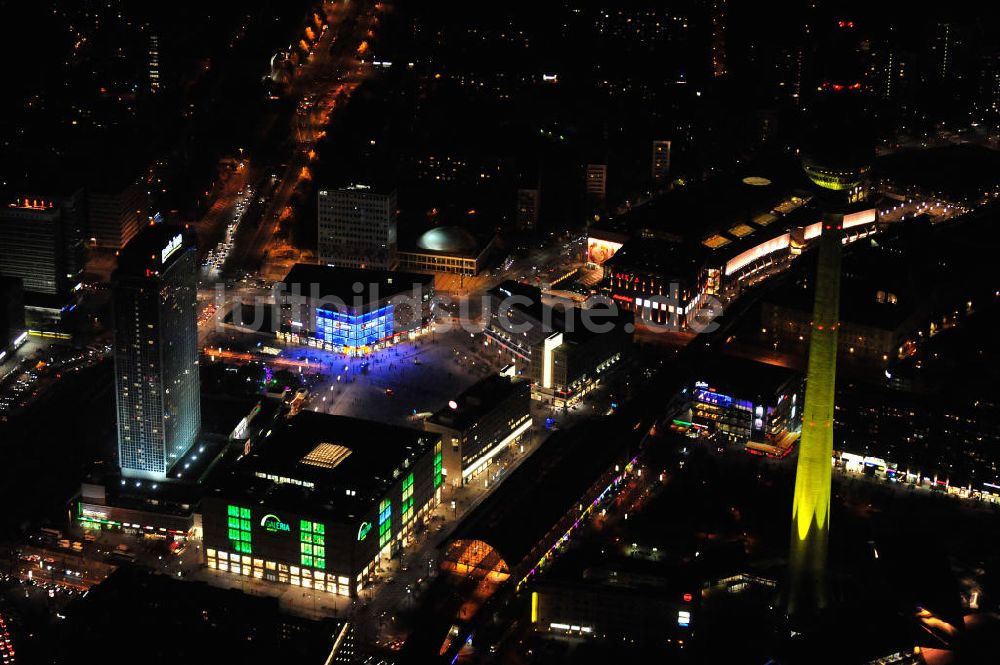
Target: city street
[(329, 76)]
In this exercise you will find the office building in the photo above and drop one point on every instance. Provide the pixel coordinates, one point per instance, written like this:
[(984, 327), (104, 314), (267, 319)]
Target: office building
[(563, 351), (320, 501), (597, 181), (886, 303), (352, 311), (528, 205), (357, 228), (481, 424), (661, 163), (41, 244), (627, 600), (943, 50), (115, 216), (154, 63), (986, 103), (157, 385)]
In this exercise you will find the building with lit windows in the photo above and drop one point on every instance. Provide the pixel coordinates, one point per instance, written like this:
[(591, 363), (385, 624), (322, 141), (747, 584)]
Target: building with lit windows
[(480, 424), (885, 302), (696, 247), (41, 244), (352, 311), (661, 163), (718, 16), (528, 207), (357, 227), (597, 181), (564, 351), (157, 382), (115, 214), (624, 600), (744, 403), (320, 500), (6, 644)]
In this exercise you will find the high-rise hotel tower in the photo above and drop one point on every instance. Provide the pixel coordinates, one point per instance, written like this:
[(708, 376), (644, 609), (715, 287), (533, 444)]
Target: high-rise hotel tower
[(156, 351)]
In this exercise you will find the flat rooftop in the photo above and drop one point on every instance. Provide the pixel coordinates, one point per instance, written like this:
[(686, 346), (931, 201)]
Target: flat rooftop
[(720, 202), (478, 399), (227, 624), (675, 261), (869, 267), (321, 457), (743, 378), (341, 284), (153, 248), (682, 258), (569, 320)]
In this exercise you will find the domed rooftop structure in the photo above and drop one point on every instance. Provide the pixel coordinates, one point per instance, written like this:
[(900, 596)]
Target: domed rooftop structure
[(448, 239)]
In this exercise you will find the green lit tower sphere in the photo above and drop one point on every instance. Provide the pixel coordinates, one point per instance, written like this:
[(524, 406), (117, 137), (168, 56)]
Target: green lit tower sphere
[(836, 154)]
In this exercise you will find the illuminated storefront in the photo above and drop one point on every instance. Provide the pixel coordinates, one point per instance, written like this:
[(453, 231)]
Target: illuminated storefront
[(746, 404), (480, 424), (353, 311), (353, 330), (278, 548), (141, 523)]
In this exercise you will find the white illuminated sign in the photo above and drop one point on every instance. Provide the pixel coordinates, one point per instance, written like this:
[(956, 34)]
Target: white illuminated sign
[(172, 246)]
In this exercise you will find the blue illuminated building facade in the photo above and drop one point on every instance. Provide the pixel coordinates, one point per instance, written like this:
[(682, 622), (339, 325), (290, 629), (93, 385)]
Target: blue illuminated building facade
[(356, 331), (351, 310)]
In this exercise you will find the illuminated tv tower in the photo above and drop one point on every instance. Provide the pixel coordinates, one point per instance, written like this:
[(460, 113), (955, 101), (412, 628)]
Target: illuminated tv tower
[(835, 157)]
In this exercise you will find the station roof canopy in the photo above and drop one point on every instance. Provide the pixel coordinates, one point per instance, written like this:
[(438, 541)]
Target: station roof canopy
[(545, 487)]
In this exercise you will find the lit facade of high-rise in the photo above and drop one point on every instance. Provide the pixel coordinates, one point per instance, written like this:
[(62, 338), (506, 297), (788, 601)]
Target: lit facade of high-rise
[(661, 163), (357, 228), (156, 351), (41, 244), (527, 209), (597, 181)]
